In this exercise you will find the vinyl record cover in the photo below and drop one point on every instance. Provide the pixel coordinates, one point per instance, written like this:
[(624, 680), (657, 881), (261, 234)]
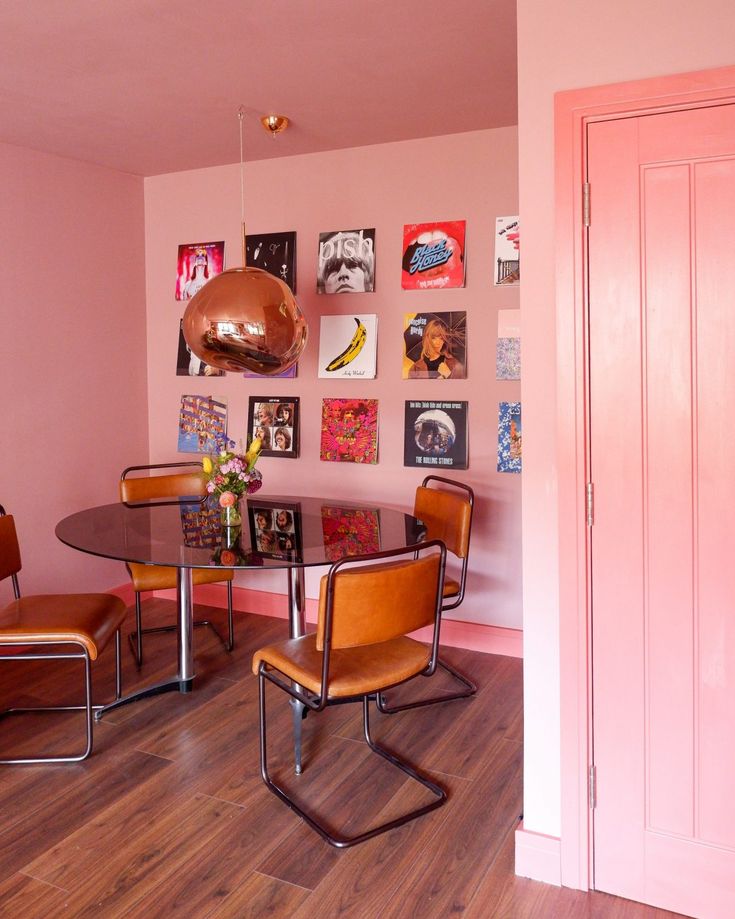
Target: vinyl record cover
[(198, 263), (507, 251), (275, 419), (510, 452), (188, 364), (349, 531), (275, 528), (348, 346), (346, 262), (274, 253), (201, 524), (349, 431), (436, 435), (202, 420), (435, 346), (433, 255)]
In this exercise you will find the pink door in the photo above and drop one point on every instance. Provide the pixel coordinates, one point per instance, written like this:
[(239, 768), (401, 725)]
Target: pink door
[(662, 459)]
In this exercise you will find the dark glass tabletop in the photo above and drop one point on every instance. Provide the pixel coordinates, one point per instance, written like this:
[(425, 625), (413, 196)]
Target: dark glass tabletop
[(277, 532)]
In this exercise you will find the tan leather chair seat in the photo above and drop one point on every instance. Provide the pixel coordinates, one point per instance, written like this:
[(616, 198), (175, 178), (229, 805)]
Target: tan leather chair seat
[(352, 672), (451, 587), (89, 619), (158, 577)]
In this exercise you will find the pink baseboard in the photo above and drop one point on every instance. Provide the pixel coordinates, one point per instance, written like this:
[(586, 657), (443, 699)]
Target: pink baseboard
[(455, 634), (538, 857)]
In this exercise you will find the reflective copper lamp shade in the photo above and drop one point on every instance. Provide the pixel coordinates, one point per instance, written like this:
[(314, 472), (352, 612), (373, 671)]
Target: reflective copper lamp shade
[(245, 319)]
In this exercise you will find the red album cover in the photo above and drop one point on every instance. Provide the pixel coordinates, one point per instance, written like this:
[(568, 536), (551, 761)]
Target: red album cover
[(433, 255)]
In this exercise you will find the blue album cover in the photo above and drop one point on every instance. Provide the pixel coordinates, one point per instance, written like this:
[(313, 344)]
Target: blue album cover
[(509, 437)]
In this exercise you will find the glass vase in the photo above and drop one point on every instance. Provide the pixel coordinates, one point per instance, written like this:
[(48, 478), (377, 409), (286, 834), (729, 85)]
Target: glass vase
[(230, 516)]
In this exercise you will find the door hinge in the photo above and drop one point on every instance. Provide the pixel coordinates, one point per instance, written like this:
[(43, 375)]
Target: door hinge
[(590, 495), (586, 204), (592, 785)]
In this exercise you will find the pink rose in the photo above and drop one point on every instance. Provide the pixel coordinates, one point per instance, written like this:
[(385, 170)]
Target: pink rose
[(227, 499)]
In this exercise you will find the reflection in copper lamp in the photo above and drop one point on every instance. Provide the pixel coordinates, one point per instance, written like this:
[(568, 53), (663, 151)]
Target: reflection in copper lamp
[(245, 318)]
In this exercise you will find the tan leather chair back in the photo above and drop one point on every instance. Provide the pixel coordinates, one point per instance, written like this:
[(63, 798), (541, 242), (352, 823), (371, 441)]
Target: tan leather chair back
[(446, 516), (379, 602), (9, 548), (145, 488)]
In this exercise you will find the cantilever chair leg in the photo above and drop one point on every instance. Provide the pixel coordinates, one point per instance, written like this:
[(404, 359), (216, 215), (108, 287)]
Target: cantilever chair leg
[(469, 690), (336, 840), (88, 708), (136, 638)]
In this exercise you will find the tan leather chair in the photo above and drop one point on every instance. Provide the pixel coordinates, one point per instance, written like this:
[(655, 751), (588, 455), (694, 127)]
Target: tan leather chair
[(361, 647), (55, 627), (446, 512), (135, 489)]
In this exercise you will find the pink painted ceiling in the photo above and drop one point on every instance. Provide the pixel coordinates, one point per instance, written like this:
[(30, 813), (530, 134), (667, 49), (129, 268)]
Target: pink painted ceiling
[(153, 86)]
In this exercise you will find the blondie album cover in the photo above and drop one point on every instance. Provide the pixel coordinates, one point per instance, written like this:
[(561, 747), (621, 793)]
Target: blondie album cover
[(202, 424), (275, 420), (435, 346), (188, 364), (433, 255), (198, 263), (274, 253), (510, 443), (346, 262), (349, 531), (349, 431), (435, 434), (348, 346), (507, 251)]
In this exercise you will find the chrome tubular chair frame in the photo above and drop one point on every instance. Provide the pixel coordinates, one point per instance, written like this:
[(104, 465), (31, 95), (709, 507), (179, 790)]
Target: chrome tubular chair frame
[(468, 687), (88, 707), (318, 703), (136, 638)]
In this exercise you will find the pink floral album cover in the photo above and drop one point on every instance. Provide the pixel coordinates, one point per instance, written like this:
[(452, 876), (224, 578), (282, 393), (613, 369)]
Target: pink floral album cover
[(349, 531), (198, 263), (433, 255), (349, 431)]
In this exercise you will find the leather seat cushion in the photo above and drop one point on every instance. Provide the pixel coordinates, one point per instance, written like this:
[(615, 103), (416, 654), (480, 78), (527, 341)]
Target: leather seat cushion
[(89, 619), (353, 671), (451, 587), (158, 577)]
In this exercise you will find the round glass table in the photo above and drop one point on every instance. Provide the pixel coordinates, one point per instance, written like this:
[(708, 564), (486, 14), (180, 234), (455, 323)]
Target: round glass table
[(276, 532)]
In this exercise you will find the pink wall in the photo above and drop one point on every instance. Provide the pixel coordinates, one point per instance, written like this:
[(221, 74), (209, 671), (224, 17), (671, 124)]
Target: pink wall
[(471, 176), (72, 353), (561, 47)]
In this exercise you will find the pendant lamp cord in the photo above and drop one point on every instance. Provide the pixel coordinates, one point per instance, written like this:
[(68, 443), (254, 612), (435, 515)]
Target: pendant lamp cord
[(240, 115)]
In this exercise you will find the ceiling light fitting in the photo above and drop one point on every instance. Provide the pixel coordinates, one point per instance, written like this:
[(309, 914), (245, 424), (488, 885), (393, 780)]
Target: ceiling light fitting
[(246, 318), (274, 124)]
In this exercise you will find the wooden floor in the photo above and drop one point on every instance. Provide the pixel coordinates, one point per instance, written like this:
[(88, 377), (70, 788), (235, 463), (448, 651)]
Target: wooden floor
[(169, 816)]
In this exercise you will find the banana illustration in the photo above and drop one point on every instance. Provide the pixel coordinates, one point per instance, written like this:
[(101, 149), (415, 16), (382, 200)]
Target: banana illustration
[(352, 350)]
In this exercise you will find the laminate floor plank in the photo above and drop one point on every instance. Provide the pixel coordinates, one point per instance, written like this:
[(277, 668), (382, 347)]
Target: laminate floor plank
[(21, 896), (260, 897)]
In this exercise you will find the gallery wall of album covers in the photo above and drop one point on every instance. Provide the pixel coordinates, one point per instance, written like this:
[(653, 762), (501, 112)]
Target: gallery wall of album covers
[(433, 349)]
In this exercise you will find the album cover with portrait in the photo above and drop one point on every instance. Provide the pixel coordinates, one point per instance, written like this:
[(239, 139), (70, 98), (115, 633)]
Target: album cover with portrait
[(202, 424), (507, 252), (349, 431), (435, 346), (275, 528), (274, 253), (433, 255), (349, 531), (275, 420), (198, 263), (188, 364), (510, 442), (435, 435), (348, 346), (346, 262)]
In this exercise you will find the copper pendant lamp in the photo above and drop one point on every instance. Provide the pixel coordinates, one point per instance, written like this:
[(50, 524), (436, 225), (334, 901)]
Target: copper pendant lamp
[(245, 318)]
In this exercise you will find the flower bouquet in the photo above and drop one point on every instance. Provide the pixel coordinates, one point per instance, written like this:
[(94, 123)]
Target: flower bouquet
[(232, 475)]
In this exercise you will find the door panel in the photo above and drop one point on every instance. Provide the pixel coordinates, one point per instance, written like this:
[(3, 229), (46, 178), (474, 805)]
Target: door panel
[(662, 447)]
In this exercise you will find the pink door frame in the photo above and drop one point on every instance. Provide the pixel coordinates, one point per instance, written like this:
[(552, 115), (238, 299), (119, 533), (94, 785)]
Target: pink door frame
[(573, 111)]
